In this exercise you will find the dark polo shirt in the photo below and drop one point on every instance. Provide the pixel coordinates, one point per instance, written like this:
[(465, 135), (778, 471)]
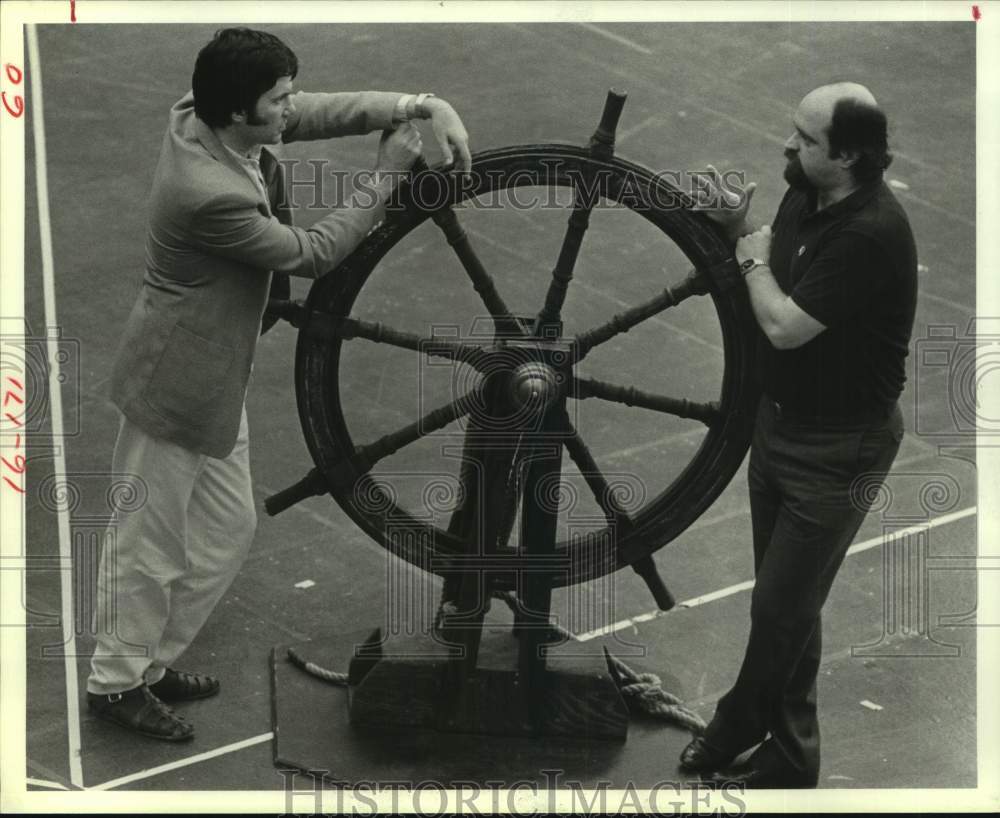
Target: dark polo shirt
[(853, 267)]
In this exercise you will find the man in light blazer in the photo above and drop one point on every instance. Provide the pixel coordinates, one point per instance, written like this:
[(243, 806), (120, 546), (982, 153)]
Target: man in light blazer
[(218, 227)]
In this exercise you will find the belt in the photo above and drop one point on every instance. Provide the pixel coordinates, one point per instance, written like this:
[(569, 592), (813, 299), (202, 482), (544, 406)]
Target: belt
[(793, 415)]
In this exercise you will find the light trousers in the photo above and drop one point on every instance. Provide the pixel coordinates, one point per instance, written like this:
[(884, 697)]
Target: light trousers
[(167, 562)]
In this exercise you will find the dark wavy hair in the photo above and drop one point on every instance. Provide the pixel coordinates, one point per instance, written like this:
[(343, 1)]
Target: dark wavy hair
[(857, 127), (234, 69)]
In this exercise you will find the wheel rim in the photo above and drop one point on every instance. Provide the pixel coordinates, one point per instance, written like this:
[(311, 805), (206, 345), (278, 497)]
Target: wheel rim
[(664, 517)]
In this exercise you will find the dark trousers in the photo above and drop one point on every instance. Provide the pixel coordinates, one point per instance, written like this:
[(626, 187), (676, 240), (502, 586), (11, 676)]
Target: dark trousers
[(811, 486)]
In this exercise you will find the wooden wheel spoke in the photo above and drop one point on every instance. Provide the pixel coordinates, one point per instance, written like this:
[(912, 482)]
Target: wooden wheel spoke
[(562, 274), (435, 420), (325, 326), (616, 516), (694, 283), (606, 497), (707, 413), (482, 281)]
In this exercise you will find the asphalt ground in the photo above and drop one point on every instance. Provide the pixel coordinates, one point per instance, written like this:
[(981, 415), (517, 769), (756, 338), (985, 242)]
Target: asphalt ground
[(698, 94)]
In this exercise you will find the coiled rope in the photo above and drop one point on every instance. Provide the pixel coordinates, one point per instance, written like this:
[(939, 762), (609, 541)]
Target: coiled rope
[(643, 692)]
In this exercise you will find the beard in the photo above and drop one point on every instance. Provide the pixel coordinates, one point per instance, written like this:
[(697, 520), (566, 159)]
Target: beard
[(795, 175)]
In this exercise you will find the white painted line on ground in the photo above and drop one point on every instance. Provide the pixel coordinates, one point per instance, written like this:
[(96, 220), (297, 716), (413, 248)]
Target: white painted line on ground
[(38, 782), (724, 592), (944, 519), (963, 308), (712, 698), (763, 133), (628, 132), (942, 211), (55, 398), (628, 451), (40, 772), (625, 41), (184, 762), (920, 163)]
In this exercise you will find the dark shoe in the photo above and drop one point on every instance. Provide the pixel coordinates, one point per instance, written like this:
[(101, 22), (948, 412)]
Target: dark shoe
[(141, 711), (701, 756), (180, 686), (752, 776)]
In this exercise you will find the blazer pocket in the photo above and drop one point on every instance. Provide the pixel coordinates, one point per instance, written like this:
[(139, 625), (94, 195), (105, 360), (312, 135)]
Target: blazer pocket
[(190, 374)]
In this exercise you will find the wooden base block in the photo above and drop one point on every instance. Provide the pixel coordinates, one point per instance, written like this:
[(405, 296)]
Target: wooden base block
[(313, 733), (412, 683)]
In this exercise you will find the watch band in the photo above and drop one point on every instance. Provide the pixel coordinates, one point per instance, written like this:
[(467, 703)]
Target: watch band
[(410, 106), (418, 106), (401, 112), (751, 264)]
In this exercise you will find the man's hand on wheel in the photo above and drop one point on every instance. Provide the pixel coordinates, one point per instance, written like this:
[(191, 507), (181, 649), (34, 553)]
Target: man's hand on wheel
[(450, 134), (724, 203), (397, 151)]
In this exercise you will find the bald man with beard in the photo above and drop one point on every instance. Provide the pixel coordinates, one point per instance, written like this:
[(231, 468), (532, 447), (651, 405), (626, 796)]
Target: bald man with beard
[(833, 285)]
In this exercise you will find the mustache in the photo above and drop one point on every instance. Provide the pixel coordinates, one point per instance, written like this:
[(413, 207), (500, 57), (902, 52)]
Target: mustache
[(790, 155)]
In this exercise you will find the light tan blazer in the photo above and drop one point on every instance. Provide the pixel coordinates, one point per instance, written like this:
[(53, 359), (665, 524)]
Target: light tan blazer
[(184, 361)]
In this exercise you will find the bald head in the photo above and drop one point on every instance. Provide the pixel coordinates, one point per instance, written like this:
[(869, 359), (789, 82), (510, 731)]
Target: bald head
[(827, 96), (855, 127)]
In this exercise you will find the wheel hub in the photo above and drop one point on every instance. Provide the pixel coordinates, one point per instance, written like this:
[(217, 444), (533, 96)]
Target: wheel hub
[(535, 385)]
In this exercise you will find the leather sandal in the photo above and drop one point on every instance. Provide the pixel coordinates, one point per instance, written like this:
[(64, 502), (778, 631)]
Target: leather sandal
[(141, 711), (181, 686)]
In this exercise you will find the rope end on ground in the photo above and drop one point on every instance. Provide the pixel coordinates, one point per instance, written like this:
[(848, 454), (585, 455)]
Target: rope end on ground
[(331, 676)]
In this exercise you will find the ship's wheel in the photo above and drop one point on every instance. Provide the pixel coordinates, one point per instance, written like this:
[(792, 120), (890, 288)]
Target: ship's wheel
[(514, 412), (524, 374)]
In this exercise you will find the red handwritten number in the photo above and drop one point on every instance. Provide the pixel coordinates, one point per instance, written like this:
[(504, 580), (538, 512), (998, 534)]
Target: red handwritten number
[(976, 14), (72, 11), (15, 75), (18, 108), (13, 485), (19, 460), (17, 466)]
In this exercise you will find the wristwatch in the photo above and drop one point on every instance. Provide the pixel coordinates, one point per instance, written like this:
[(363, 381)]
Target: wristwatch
[(418, 107), (409, 107), (751, 264)]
